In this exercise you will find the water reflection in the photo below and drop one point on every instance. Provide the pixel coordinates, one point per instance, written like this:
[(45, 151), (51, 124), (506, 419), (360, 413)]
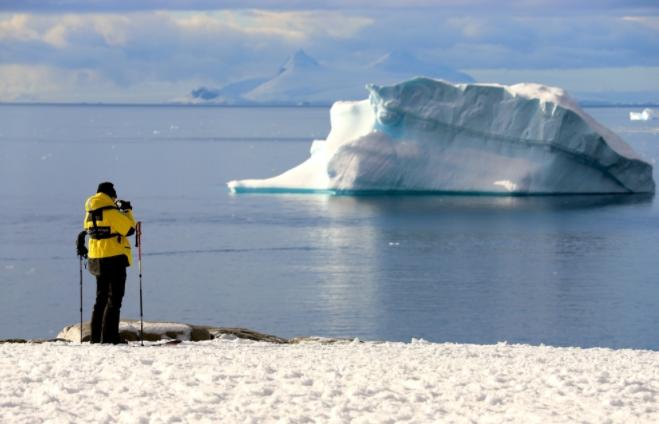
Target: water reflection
[(422, 204), (485, 269)]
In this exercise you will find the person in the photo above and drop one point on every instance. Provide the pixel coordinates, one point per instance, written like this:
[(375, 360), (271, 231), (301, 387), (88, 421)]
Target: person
[(108, 222)]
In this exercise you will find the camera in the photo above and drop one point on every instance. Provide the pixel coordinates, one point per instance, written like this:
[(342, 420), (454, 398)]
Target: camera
[(124, 205)]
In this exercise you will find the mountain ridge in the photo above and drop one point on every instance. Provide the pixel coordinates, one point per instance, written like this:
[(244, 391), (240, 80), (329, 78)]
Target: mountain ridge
[(301, 79)]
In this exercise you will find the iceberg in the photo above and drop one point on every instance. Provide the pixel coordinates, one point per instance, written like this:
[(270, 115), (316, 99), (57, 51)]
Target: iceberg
[(646, 115), (425, 135)]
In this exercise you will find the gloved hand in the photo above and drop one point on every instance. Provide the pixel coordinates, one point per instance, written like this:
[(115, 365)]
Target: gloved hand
[(81, 249), (124, 205)]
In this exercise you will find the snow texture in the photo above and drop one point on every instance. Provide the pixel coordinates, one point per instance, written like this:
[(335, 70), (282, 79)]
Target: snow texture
[(426, 135), (244, 381), (645, 115)]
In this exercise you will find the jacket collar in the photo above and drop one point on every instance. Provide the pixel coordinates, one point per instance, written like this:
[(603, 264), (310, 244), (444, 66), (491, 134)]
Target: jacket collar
[(97, 201)]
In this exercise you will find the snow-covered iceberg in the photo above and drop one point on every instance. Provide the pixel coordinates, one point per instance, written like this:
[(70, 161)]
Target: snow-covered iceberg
[(645, 115), (426, 135)]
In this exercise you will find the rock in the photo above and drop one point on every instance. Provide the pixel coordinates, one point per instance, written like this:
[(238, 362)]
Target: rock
[(199, 333), (33, 341), (72, 332), (243, 333), (319, 340), (129, 330)]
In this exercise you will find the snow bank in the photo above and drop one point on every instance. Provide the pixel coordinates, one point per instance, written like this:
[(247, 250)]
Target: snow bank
[(429, 135), (244, 381), (645, 115)]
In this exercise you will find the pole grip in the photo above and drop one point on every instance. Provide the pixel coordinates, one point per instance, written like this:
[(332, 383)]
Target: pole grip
[(138, 234)]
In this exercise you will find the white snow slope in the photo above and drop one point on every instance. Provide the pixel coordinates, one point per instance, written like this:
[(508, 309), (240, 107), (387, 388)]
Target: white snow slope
[(233, 381), (430, 135), (302, 80)]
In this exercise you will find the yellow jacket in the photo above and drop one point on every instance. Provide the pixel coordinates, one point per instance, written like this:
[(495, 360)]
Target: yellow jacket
[(109, 234)]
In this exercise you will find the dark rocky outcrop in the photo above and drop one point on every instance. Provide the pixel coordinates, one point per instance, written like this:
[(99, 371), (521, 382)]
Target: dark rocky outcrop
[(129, 331), (32, 341)]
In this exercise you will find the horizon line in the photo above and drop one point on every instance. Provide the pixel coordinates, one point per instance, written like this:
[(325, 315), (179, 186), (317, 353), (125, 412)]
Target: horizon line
[(585, 103)]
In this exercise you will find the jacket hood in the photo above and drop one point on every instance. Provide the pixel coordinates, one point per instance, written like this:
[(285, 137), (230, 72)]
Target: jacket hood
[(98, 200)]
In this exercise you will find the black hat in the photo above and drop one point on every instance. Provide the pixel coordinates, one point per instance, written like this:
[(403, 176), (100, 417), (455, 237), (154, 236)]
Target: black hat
[(107, 188)]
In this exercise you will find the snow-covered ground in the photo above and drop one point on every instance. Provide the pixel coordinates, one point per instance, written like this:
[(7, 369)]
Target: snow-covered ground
[(242, 381)]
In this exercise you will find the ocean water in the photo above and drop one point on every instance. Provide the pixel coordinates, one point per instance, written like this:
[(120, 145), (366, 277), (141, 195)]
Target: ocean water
[(563, 270)]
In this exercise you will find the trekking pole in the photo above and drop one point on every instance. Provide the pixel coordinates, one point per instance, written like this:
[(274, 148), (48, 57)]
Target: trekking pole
[(138, 242), (82, 252), (80, 299)]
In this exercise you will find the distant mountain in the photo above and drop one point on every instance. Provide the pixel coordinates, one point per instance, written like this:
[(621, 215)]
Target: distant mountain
[(299, 61), (403, 63), (235, 91), (303, 80)]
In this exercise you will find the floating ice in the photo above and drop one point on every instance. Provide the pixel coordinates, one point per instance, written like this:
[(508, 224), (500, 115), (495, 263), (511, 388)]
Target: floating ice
[(645, 115), (426, 135)]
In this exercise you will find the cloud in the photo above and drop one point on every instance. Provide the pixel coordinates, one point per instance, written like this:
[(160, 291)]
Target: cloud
[(469, 6), (514, 41), (20, 82), (586, 79), (167, 45), (17, 28), (64, 30), (294, 26), (651, 22), (30, 83), (129, 45)]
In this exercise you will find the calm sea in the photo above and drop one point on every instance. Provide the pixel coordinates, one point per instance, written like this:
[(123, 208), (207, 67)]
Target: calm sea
[(565, 270)]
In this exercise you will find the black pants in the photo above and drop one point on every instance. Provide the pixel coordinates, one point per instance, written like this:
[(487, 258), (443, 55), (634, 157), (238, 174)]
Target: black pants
[(110, 288)]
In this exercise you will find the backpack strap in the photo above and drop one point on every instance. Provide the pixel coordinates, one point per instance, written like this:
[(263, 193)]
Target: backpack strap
[(101, 233)]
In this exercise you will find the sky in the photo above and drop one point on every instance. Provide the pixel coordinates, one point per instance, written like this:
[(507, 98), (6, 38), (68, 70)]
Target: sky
[(158, 51)]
